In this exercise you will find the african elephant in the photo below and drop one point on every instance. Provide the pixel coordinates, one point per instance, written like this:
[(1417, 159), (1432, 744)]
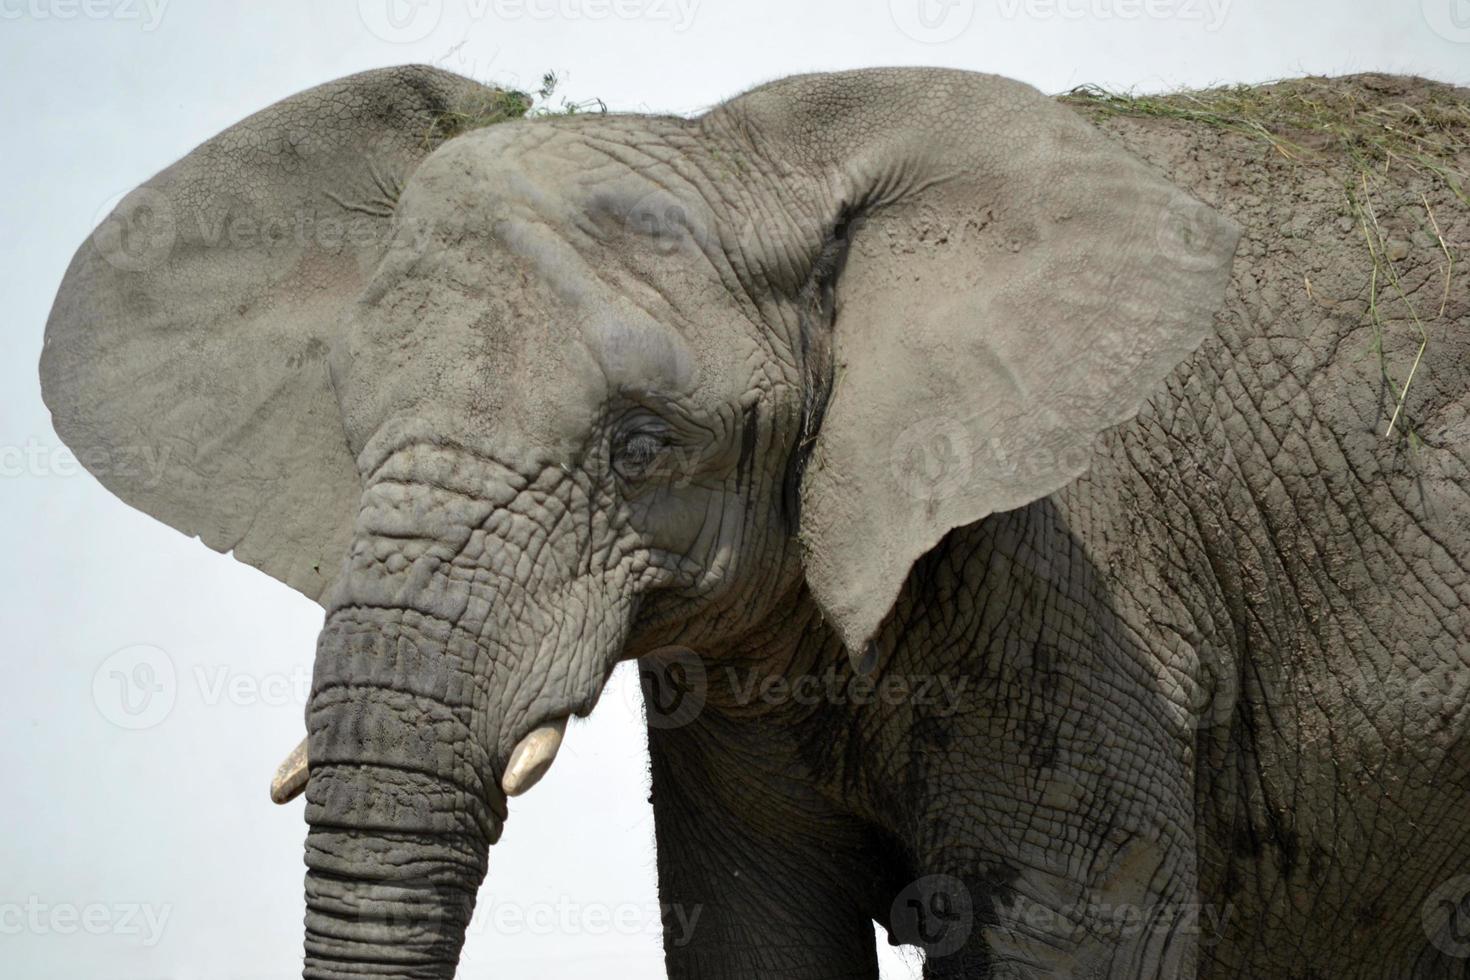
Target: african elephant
[(1019, 552)]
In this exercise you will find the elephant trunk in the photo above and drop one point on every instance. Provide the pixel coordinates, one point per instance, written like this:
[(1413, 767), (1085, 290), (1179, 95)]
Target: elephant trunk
[(442, 685), (401, 803), (387, 903)]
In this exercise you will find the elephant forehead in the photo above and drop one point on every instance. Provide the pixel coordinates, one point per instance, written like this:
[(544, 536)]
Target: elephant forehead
[(536, 275), (639, 354), (628, 252), (510, 335)]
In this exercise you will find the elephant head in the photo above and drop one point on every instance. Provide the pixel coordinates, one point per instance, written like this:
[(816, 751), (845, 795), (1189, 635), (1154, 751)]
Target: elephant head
[(518, 402)]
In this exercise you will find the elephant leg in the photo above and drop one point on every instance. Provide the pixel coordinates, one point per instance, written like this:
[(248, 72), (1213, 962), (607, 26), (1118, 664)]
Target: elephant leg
[(1052, 779), (1059, 838), (758, 876), (1032, 920)]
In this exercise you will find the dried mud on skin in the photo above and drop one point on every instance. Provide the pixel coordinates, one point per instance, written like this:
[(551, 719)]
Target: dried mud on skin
[(1362, 181)]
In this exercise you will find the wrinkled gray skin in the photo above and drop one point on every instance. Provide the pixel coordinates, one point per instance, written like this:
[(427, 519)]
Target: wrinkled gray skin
[(828, 380)]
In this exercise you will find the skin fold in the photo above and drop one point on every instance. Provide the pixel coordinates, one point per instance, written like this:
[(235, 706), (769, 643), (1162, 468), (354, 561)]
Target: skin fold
[(999, 507)]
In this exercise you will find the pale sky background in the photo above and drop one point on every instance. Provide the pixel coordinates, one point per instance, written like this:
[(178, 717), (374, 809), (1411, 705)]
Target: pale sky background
[(153, 852)]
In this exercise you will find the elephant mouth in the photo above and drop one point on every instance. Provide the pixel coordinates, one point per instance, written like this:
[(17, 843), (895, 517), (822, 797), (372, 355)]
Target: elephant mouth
[(530, 760)]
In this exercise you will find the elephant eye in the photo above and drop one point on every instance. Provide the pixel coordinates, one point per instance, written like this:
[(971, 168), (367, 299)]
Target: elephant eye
[(637, 455)]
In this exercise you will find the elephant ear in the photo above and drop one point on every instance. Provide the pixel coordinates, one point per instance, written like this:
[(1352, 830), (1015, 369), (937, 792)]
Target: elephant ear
[(1006, 285), (185, 355)]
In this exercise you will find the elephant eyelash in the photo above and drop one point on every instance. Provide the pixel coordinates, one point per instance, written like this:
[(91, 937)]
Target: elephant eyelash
[(637, 454)]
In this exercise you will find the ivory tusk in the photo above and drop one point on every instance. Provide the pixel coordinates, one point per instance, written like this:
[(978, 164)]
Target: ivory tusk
[(532, 757), (290, 778)]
